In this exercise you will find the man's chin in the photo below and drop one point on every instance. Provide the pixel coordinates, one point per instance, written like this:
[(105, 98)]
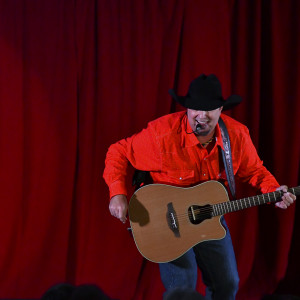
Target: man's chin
[(202, 133)]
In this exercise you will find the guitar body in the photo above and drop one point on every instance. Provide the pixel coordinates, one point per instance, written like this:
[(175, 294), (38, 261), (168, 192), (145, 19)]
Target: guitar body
[(160, 219)]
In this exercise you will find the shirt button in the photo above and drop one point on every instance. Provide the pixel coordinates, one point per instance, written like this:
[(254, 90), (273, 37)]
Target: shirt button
[(180, 178), (204, 174)]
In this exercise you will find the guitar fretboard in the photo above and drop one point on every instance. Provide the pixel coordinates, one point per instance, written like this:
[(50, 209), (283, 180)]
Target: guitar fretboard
[(231, 206)]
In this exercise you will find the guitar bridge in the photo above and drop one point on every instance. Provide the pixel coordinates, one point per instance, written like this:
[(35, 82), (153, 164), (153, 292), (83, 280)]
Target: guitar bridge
[(172, 219)]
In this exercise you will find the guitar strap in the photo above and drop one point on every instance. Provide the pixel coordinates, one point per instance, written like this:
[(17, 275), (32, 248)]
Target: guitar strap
[(227, 158)]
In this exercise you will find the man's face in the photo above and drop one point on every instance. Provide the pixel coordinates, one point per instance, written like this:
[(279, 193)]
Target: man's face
[(207, 120)]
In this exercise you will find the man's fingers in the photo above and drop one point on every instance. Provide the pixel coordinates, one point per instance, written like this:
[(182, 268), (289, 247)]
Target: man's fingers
[(117, 213), (118, 207), (281, 204), (287, 197)]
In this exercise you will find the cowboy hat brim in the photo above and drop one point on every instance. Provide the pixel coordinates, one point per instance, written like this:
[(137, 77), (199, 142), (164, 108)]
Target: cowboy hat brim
[(214, 103)]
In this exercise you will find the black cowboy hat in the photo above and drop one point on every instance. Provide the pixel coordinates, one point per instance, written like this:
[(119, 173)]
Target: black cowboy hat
[(205, 93)]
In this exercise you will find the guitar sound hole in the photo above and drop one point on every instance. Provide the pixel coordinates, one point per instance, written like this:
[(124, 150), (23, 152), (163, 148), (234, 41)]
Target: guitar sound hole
[(198, 214)]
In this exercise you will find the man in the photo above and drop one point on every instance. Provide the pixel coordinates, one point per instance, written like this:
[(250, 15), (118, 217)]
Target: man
[(182, 149)]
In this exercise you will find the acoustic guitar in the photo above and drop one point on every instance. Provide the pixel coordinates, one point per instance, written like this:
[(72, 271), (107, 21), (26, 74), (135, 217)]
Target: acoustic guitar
[(167, 221)]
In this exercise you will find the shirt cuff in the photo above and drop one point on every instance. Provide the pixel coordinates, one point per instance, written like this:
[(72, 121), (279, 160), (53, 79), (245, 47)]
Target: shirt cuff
[(117, 188), (269, 189)]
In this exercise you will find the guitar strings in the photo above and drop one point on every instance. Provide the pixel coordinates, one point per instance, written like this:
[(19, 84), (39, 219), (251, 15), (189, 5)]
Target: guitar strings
[(235, 205), (198, 211), (230, 206)]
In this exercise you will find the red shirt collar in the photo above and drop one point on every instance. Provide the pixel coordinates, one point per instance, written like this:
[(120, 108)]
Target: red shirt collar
[(189, 139)]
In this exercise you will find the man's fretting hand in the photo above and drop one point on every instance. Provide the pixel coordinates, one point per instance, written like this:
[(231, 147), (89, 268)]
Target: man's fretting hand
[(287, 198)]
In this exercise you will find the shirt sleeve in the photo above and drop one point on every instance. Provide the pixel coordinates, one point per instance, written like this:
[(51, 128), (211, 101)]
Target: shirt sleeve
[(140, 150), (251, 168)]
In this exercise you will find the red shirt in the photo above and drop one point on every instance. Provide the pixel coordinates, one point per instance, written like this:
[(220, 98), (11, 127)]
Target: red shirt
[(177, 158)]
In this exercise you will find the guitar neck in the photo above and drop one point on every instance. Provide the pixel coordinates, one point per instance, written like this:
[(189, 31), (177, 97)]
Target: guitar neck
[(235, 205)]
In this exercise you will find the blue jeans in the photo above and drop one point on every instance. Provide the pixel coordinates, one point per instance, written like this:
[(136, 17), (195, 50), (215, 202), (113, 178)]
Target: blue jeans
[(217, 263)]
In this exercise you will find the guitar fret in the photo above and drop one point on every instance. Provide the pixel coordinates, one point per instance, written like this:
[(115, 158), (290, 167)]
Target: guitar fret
[(231, 206), (217, 212), (227, 204), (280, 194), (267, 200), (214, 210), (223, 209)]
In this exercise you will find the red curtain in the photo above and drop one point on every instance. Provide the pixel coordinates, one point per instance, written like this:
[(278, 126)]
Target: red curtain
[(77, 75)]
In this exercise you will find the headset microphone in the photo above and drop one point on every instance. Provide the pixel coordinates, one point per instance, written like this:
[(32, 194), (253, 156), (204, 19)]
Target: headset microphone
[(199, 127)]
